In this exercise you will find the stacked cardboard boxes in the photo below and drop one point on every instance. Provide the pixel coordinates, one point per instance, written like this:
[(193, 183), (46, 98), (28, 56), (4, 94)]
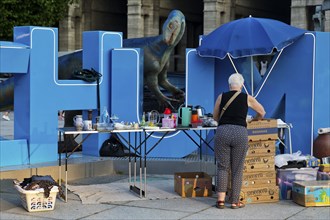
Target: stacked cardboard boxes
[(259, 175)]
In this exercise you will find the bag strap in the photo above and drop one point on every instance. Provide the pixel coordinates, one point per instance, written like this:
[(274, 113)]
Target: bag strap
[(97, 90), (90, 76), (228, 103)]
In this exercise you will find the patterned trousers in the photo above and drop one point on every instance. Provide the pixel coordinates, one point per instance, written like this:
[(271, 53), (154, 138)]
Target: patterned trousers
[(231, 145)]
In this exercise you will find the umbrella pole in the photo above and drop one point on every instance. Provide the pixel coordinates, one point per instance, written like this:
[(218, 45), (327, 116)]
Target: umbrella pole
[(232, 63), (252, 89)]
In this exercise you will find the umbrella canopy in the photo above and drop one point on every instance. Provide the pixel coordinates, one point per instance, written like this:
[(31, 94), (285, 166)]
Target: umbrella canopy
[(248, 37)]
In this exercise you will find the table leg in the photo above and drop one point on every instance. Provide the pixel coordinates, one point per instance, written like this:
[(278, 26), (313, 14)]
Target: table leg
[(59, 162), (145, 166), (66, 173), (140, 173), (200, 145), (135, 152), (129, 159)]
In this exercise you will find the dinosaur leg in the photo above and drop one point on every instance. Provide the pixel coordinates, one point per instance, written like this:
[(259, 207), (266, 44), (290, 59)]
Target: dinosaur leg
[(152, 83), (178, 94)]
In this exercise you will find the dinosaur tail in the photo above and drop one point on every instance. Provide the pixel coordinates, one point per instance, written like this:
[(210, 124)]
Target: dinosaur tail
[(7, 94)]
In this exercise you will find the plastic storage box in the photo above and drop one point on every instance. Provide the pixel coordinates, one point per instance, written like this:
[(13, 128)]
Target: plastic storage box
[(286, 177), (35, 200)]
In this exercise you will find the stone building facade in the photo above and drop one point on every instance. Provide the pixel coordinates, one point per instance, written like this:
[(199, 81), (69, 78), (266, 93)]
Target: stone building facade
[(142, 18)]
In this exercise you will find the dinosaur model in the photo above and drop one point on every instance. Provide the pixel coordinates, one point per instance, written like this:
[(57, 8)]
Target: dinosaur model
[(157, 51)]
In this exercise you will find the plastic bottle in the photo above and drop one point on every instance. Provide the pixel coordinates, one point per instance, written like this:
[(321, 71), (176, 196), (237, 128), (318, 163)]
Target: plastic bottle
[(105, 116), (90, 114), (143, 120)]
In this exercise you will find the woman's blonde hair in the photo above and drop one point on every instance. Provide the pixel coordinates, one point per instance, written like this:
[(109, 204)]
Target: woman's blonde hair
[(236, 79)]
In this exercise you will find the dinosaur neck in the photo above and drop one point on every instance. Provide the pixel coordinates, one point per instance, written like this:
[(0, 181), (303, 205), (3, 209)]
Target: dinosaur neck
[(159, 46)]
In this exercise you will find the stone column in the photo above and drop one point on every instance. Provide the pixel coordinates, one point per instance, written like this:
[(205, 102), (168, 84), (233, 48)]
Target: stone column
[(135, 21), (300, 16), (216, 13), (72, 26), (142, 18), (68, 29), (327, 21), (150, 11)]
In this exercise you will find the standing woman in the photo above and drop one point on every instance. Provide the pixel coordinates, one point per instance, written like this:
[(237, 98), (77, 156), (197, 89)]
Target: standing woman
[(231, 138)]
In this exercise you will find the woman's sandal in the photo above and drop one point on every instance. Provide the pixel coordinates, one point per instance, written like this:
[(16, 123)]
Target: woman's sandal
[(237, 205), (220, 204)]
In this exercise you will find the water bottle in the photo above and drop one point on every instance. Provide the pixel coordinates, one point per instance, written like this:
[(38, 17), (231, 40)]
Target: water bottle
[(105, 116), (143, 120)]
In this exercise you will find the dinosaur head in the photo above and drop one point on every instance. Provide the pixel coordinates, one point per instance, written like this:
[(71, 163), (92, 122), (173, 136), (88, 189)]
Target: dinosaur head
[(174, 27)]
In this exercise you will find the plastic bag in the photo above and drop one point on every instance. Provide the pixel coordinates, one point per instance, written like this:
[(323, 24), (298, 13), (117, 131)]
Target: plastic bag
[(282, 159)]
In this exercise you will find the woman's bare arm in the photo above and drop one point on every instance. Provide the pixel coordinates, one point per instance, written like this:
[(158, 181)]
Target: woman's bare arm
[(216, 110), (257, 107)]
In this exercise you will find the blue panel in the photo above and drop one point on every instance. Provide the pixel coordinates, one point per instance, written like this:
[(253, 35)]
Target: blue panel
[(33, 102), (14, 57), (13, 152), (322, 82), (200, 81), (293, 76), (96, 54), (127, 84), (23, 34)]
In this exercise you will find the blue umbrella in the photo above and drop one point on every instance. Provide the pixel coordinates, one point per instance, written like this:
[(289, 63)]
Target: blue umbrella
[(248, 37)]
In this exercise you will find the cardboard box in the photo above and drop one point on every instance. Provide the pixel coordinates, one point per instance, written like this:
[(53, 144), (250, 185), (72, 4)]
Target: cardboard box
[(311, 193), (259, 194), (265, 129), (259, 163), (258, 148), (193, 184), (258, 179), (286, 177)]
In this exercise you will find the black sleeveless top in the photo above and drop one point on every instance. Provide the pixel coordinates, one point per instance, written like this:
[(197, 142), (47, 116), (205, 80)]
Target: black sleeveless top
[(236, 113)]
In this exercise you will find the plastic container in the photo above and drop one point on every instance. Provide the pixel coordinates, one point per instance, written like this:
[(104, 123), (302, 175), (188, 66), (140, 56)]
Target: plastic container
[(197, 124), (35, 200), (105, 118)]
